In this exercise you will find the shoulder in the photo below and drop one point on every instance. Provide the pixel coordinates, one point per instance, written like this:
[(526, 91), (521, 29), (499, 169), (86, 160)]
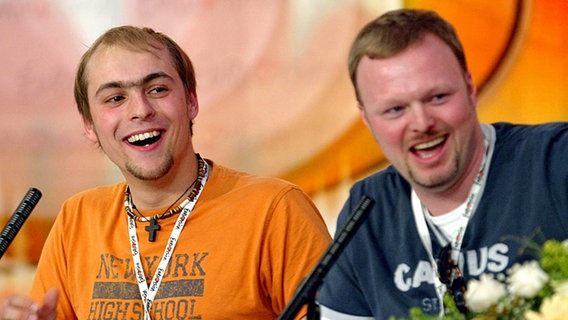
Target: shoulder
[(97, 196), (385, 183), (389, 191), (535, 132), (268, 201), (91, 207), (548, 140), (228, 180)]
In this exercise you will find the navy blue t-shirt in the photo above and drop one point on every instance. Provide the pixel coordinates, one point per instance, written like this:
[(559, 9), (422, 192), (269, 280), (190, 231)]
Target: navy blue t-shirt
[(385, 270)]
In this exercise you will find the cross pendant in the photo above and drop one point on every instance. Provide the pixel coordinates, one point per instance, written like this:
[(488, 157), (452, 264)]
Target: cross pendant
[(152, 228)]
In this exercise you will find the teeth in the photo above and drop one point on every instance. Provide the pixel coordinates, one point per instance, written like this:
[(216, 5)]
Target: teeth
[(429, 144), (143, 136)]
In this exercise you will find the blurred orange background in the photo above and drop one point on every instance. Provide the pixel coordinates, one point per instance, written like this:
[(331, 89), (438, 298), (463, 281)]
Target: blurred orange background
[(275, 97)]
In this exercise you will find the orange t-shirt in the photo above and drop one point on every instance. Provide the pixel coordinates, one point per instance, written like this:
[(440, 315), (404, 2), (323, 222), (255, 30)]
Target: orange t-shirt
[(246, 246)]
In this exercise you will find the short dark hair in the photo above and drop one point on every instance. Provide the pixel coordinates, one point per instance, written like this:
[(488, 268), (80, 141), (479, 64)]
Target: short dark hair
[(137, 39), (394, 31)]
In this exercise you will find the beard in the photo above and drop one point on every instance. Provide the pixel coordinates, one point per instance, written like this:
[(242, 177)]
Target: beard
[(154, 174), (436, 181)]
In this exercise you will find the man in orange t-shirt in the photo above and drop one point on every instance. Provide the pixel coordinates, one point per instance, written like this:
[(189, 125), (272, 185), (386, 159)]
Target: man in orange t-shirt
[(182, 237)]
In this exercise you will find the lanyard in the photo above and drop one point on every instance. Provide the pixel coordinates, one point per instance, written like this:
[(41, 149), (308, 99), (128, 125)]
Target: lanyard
[(472, 201), (148, 293)]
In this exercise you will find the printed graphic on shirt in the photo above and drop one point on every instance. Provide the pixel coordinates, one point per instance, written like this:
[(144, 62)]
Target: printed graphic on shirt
[(116, 292), (490, 259)]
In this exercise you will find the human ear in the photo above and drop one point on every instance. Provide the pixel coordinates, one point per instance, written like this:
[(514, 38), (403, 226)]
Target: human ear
[(363, 114), (192, 106), (90, 131)]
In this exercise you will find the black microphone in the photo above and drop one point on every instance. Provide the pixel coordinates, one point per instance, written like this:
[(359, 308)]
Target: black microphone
[(18, 218), (306, 292)]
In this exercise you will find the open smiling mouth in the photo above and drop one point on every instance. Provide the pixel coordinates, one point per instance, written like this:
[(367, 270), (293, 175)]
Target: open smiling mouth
[(144, 139), (427, 149)]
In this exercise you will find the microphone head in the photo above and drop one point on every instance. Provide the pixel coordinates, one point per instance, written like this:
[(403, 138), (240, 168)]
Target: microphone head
[(18, 218), (29, 202)]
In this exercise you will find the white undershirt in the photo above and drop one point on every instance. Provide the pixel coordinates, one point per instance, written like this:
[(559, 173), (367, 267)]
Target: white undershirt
[(447, 224)]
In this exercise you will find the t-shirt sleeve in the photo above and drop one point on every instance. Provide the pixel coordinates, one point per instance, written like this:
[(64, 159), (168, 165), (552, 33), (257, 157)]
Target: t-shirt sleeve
[(296, 239)]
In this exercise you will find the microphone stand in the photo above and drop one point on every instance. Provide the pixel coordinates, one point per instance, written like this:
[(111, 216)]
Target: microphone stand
[(306, 292)]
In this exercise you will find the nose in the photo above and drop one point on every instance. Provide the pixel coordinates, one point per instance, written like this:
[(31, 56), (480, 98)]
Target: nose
[(140, 108), (422, 119)]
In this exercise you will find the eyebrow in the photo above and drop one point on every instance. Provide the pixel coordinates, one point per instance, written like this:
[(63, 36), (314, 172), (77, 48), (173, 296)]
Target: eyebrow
[(129, 84)]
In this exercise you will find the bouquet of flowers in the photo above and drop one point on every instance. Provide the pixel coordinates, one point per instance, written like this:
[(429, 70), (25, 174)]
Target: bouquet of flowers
[(534, 290)]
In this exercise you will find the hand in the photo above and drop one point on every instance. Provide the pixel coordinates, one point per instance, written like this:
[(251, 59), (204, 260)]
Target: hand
[(21, 307)]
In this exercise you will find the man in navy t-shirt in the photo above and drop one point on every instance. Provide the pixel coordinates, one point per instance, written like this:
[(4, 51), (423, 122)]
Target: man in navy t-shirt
[(476, 192)]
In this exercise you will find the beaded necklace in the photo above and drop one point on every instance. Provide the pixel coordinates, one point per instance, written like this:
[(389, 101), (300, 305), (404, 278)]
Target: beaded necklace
[(148, 287), (154, 226)]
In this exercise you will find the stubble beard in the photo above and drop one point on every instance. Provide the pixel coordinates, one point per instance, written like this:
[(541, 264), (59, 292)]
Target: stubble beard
[(435, 181), (151, 175)]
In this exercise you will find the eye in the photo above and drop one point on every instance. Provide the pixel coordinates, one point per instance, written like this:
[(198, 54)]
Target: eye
[(438, 98), (394, 111), (158, 90), (114, 99)]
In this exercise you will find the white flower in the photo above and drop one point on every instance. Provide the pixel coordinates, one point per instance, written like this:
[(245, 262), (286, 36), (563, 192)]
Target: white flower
[(483, 293), (565, 244), (527, 279), (561, 288), (552, 308)]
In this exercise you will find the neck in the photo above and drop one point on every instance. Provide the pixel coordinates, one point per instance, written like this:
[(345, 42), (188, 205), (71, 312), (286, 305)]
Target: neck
[(444, 199), (148, 195)]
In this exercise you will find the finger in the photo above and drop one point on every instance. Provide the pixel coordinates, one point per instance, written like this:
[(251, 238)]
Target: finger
[(48, 310), (51, 297)]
